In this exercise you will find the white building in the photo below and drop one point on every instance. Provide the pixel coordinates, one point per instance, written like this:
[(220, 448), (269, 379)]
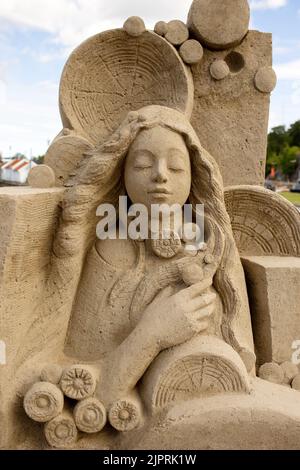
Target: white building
[(16, 171)]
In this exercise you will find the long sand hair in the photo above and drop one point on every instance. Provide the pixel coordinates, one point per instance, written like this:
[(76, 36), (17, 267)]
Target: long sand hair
[(98, 179)]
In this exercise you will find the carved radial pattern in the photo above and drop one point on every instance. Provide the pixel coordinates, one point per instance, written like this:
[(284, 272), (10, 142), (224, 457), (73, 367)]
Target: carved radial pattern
[(113, 73), (263, 222), (77, 383), (194, 375)]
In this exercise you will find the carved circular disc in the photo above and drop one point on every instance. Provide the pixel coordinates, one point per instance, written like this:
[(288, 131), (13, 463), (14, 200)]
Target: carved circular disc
[(263, 222), (90, 415), (43, 402), (61, 432), (124, 416), (41, 176), (296, 383), (168, 244), (113, 73), (219, 24), (290, 371), (271, 372), (64, 154), (78, 383)]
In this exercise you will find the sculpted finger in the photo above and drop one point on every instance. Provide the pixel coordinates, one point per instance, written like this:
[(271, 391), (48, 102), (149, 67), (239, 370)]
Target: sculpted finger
[(203, 313), (202, 326), (202, 301), (164, 294), (198, 326), (196, 289)]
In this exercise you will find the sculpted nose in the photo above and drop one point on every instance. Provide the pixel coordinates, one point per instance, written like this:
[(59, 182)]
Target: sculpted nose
[(160, 174)]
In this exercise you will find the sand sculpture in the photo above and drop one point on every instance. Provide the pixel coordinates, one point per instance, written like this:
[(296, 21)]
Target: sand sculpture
[(128, 344)]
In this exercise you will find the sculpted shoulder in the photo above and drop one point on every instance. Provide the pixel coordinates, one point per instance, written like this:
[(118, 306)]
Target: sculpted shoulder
[(120, 254)]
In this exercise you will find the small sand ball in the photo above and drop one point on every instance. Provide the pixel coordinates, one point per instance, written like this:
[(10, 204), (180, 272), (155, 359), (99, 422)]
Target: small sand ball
[(265, 80), (209, 258), (271, 372), (51, 373), (134, 26), (41, 176), (161, 28), (177, 33), (290, 371), (191, 52), (296, 383), (219, 69)]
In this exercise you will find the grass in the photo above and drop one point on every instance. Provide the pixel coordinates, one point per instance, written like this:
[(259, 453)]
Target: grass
[(294, 198)]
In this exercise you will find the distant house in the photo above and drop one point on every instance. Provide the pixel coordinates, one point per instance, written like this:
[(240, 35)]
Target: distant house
[(15, 172)]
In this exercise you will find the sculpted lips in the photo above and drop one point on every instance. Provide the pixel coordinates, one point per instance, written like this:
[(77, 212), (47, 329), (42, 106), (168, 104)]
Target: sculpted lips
[(159, 191)]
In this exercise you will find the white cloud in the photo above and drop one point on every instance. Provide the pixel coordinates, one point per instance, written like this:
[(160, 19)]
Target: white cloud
[(288, 70), (29, 114), (29, 118), (267, 4), (3, 93), (71, 21), (47, 55), (295, 98)]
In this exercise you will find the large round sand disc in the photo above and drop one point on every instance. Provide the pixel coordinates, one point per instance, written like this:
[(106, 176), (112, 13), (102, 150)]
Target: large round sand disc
[(113, 73), (219, 24)]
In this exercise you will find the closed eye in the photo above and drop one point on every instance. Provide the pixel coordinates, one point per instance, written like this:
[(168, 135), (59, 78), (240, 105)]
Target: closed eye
[(176, 169), (142, 167)]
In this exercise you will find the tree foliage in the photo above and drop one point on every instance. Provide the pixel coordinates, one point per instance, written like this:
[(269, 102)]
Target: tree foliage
[(284, 149), (39, 160)]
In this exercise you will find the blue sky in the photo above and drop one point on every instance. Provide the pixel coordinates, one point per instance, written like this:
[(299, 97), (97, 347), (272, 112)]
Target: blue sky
[(36, 37)]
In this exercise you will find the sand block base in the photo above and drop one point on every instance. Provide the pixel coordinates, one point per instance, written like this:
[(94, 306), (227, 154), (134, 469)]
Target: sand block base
[(268, 418), (274, 293)]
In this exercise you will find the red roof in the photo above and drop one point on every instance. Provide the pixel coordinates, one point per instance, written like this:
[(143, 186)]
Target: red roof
[(11, 163), (22, 164), (15, 164)]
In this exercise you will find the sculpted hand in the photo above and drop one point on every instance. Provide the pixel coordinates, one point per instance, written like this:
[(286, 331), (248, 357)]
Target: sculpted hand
[(174, 319)]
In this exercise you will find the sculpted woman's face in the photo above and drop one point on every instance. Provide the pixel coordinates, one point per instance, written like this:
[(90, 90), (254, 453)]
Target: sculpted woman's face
[(158, 168)]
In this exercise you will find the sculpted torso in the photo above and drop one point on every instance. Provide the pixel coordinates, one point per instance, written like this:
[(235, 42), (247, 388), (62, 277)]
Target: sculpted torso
[(106, 317), (145, 309), (126, 289)]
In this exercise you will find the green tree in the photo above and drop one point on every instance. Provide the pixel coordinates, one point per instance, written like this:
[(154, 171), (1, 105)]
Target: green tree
[(39, 160), (278, 139), (273, 160), (289, 160), (18, 155), (294, 134)]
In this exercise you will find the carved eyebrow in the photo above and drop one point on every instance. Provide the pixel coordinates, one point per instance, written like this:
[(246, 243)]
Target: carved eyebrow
[(142, 153), (176, 152)]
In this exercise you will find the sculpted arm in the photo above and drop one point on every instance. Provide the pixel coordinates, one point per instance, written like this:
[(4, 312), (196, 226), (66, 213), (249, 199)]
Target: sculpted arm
[(169, 320)]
